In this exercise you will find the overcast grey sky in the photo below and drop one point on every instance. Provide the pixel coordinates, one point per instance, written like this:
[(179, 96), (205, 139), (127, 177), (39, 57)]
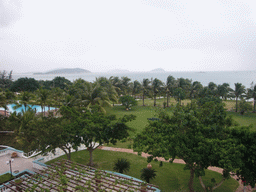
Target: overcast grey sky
[(136, 35)]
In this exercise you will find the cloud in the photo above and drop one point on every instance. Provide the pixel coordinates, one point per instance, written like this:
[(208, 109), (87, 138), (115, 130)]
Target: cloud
[(9, 12)]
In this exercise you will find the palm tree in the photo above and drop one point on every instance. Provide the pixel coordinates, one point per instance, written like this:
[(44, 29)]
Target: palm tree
[(42, 95), (10, 98), (195, 89), (145, 88), (94, 94), (156, 87), (3, 101), (108, 88), (136, 88), (238, 92), (252, 94), (223, 90), (212, 88), (147, 174), (121, 165), (116, 83), (170, 85), (58, 96), (25, 98), (126, 85)]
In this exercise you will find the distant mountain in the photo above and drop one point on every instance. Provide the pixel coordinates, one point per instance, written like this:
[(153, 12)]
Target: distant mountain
[(119, 71), (65, 71), (158, 70)]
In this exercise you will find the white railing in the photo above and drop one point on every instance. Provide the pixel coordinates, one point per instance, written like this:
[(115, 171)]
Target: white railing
[(31, 154)]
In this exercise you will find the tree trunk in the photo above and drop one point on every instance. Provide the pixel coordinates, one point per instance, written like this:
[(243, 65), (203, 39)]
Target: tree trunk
[(90, 152), (191, 180), (219, 184), (68, 154), (202, 183)]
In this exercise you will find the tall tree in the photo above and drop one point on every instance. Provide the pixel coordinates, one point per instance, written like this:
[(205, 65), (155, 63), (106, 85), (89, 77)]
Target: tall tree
[(145, 88), (136, 88), (238, 92), (42, 98), (116, 82), (25, 98), (5, 80), (196, 134), (156, 87), (195, 89), (61, 82), (95, 128), (25, 84), (252, 94), (223, 90), (170, 86), (94, 94), (108, 88), (212, 87), (126, 85)]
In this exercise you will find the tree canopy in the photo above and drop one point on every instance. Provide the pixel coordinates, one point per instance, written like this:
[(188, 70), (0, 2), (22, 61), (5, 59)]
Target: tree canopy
[(198, 134)]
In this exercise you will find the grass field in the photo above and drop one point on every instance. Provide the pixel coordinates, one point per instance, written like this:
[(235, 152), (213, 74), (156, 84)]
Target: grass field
[(170, 177), (5, 177)]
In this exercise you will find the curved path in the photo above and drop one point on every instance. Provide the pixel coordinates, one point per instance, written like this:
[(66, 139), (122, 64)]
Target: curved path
[(217, 169)]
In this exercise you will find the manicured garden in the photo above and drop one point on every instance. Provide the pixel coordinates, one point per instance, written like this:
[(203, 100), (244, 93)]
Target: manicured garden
[(170, 177), (5, 177)]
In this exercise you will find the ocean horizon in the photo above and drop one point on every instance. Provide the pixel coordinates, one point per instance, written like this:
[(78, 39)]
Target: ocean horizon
[(218, 77)]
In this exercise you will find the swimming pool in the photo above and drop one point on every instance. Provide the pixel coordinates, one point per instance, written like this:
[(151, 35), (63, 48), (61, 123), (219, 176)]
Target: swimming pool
[(38, 108)]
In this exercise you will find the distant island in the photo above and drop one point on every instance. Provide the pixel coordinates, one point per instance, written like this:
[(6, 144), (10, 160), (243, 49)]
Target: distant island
[(64, 71), (158, 70)]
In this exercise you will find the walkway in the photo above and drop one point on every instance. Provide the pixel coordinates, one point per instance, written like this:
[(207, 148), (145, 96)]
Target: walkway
[(19, 164), (216, 169)]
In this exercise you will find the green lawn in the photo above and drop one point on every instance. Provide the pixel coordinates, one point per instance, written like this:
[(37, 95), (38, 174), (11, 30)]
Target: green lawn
[(159, 102), (5, 177), (170, 177), (245, 120)]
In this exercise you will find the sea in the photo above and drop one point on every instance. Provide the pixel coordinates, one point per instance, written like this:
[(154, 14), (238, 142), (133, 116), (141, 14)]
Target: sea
[(217, 77)]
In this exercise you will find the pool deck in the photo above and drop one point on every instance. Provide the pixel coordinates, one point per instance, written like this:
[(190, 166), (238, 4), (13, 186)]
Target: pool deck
[(19, 164)]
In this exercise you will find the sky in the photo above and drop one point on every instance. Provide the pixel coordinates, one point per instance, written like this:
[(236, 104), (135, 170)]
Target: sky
[(134, 35)]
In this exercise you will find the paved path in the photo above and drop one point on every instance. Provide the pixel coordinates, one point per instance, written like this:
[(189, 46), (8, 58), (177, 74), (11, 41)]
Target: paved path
[(19, 164), (217, 169)]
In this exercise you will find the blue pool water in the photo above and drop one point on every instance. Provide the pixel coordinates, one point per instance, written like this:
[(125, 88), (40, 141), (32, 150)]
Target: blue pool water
[(38, 108)]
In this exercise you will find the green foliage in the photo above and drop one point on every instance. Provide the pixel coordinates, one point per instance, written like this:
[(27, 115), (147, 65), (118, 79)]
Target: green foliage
[(61, 82), (25, 84), (147, 174), (247, 169), (121, 165), (244, 106), (196, 134), (5, 177), (128, 101), (5, 80)]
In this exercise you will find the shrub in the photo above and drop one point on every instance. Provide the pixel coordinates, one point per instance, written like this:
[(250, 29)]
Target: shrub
[(147, 174), (121, 165)]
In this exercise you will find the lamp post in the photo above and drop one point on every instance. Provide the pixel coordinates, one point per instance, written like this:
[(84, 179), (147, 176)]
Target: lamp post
[(10, 163)]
